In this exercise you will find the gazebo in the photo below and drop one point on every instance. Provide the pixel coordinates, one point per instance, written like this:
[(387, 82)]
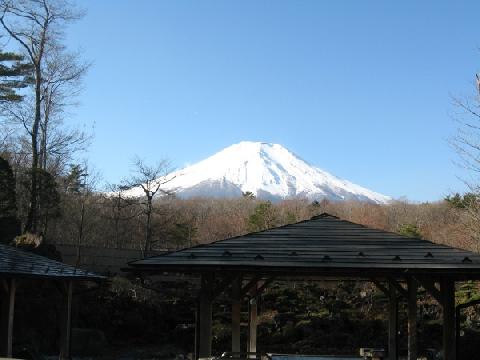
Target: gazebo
[(18, 266), (324, 247)]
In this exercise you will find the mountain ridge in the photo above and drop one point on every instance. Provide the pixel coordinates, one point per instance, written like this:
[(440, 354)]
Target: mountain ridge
[(269, 171)]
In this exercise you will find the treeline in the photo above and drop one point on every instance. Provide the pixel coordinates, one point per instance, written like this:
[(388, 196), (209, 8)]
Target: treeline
[(112, 221)]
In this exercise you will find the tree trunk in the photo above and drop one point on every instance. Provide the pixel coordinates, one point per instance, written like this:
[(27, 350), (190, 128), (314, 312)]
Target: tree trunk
[(147, 246), (44, 128), (32, 218), (80, 232)]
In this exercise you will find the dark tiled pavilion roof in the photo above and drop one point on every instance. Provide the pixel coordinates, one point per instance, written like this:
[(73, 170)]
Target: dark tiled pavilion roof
[(15, 262), (324, 245)]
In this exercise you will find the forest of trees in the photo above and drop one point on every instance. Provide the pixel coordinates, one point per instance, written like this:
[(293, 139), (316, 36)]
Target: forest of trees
[(48, 190)]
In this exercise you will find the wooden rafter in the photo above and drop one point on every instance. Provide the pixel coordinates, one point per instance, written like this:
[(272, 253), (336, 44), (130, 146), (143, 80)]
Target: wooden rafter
[(381, 287), (429, 286), (253, 282), (265, 284), (401, 290)]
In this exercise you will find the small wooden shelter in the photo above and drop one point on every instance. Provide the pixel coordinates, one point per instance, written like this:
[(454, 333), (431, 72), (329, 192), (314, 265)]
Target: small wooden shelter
[(324, 247), (17, 266)]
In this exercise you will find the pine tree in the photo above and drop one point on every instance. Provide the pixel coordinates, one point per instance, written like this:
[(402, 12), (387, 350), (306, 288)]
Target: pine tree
[(75, 180), (48, 201), (14, 75), (182, 234), (263, 218), (49, 198), (465, 201), (9, 224), (409, 230)]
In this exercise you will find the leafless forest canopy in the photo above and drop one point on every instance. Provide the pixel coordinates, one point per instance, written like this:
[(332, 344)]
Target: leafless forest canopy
[(115, 222)]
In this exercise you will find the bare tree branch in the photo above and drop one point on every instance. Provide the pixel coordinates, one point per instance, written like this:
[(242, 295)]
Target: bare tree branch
[(150, 179)]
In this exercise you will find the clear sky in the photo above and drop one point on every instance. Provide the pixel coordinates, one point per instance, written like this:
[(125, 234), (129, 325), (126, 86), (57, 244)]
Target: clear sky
[(359, 88)]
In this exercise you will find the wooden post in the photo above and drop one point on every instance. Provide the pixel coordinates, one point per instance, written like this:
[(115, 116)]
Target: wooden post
[(8, 312), (392, 323), (236, 307), (205, 317), (11, 287), (412, 318), (447, 289), (457, 329), (66, 321), (197, 330), (252, 321)]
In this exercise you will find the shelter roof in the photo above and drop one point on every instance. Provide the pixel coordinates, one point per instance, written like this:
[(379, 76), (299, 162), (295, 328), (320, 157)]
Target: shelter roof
[(15, 262), (324, 245)]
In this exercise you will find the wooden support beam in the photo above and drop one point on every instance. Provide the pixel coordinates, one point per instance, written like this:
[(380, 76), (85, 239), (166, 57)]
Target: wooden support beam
[(197, 331), (11, 313), (236, 312), (11, 286), (381, 287), (252, 326), (205, 316), (4, 318), (400, 289), (248, 287), (412, 318), (447, 288), (66, 321), (265, 284), (392, 323), (8, 312), (252, 322), (429, 285), (391, 293)]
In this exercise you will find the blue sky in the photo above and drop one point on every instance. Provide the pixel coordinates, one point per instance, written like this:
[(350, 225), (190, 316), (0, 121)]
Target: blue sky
[(359, 88)]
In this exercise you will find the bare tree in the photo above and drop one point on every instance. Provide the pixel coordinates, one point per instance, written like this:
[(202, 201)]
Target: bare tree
[(62, 76), (150, 181), (466, 144), (118, 206), (80, 188), (37, 26)]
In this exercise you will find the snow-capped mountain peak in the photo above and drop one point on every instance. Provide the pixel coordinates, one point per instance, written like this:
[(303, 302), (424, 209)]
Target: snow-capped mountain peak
[(269, 171)]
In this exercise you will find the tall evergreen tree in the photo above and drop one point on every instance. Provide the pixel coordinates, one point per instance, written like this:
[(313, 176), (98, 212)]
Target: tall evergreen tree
[(410, 230), (48, 201), (8, 205), (15, 74), (75, 181), (9, 224), (263, 217)]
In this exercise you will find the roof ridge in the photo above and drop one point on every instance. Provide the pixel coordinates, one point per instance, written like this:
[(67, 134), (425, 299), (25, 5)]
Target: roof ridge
[(221, 240), (324, 215), (321, 216)]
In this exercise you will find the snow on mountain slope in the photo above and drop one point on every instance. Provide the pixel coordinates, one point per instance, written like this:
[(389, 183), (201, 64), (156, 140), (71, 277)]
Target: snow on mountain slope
[(267, 170)]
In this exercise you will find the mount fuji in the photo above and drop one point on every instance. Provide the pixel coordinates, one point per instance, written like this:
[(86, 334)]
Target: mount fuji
[(269, 171)]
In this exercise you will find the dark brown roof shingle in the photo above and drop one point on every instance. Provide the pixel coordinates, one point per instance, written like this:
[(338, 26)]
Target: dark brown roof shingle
[(20, 263), (323, 244)]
